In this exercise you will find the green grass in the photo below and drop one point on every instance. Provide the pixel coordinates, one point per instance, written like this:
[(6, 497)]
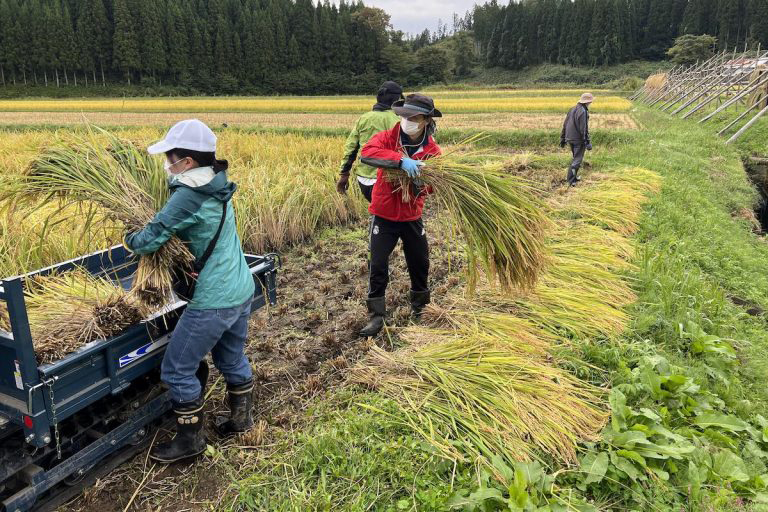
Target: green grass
[(350, 458)]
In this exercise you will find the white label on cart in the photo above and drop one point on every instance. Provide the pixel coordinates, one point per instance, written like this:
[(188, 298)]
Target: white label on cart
[(17, 375), (142, 351)]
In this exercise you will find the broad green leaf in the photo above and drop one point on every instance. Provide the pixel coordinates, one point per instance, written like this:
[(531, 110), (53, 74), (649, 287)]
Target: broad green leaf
[(729, 466), (594, 466), (626, 467), (663, 475), (628, 439), (724, 421), (632, 455), (619, 409)]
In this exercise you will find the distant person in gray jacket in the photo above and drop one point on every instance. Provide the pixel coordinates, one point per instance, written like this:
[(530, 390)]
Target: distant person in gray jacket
[(576, 133)]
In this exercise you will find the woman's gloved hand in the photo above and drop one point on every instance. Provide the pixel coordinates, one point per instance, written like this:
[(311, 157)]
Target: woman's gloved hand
[(411, 167)]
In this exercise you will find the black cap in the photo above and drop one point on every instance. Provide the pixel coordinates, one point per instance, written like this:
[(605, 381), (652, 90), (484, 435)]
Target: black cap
[(389, 92), (415, 104)]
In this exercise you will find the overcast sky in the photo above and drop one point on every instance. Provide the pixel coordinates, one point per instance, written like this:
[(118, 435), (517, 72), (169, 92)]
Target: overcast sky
[(413, 16)]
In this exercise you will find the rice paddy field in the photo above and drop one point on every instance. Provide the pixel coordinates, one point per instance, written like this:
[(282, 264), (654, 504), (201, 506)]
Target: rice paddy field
[(619, 366)]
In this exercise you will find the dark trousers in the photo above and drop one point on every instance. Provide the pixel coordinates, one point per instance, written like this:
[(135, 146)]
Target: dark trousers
[(578, 151), (367, 191), (384, 235)]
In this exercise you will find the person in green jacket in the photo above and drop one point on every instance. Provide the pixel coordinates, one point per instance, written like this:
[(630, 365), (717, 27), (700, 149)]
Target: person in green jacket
[(216, 317), (369, 124)]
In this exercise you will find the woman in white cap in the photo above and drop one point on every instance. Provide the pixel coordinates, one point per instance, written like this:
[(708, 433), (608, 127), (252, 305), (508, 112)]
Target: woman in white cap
[(216, 317), (576, 133)]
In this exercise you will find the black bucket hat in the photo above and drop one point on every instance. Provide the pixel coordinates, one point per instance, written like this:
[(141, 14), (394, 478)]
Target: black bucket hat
[(415, 104)]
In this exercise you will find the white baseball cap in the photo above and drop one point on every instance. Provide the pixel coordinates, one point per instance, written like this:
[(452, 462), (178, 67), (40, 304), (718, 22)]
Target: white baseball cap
[(191, 134)]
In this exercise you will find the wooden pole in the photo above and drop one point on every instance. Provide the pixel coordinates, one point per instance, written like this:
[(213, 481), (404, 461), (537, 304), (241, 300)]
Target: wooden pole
[(735, 79), (748, 125), (744, 92), (711, 72), (742, 116)]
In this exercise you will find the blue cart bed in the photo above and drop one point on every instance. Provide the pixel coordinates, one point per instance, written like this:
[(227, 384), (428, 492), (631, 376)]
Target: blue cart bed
[(58, 420)]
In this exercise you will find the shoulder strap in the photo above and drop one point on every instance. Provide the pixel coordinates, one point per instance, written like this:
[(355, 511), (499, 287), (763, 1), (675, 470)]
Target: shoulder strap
[(212, 245)]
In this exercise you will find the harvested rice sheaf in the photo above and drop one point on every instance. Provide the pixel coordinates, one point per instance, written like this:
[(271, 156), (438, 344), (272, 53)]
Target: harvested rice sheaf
[(475, 395), (5, 321), (500, 219), (130, 187), (67, 311)]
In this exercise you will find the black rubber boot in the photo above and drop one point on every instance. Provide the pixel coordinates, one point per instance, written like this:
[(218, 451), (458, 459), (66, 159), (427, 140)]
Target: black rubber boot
[(419, 301), (571, 177), (240, 418), (376, 310), (189, 440)]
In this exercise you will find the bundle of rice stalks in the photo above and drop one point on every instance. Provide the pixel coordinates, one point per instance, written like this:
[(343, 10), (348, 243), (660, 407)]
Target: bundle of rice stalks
[(478, 395), (128, 185), (501, 220), (68, 310), (614, 202), (5, 321), (526, 336), (656, 81)]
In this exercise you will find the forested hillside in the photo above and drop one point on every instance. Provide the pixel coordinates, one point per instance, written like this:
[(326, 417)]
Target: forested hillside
[(210, 45), (603, 32), (304, 47)]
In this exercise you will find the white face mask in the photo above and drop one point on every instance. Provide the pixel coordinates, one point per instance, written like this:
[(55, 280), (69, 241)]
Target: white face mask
[(410, 127), (167, 166)]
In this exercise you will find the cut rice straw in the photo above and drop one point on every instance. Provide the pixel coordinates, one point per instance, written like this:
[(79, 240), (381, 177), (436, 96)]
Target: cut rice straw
[(129, 185), (471, 395), (67, 311), (500, 219)]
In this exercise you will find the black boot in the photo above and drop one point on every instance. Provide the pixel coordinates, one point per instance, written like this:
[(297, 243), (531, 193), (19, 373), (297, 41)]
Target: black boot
[(240, 419), (571, 177), (419, 301), (189, 440), (376, 310)]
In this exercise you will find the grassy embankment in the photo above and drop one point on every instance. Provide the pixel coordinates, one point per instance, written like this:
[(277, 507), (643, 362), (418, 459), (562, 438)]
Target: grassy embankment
[(687, 377)]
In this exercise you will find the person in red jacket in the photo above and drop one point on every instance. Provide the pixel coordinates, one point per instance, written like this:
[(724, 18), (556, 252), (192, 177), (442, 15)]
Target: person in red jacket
[(405, 147)]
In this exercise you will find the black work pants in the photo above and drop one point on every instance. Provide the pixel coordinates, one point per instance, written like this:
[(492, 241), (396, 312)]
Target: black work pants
[(384, 235), (578, 151)]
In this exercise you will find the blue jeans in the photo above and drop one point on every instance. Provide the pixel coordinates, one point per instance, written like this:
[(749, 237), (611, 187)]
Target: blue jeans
[(223, 333)]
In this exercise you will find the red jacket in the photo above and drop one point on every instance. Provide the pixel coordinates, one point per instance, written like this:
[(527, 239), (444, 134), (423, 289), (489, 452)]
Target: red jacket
[(385, 151)]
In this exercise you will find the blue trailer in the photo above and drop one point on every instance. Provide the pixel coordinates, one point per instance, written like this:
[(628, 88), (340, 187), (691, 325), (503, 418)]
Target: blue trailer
[(61, 421)]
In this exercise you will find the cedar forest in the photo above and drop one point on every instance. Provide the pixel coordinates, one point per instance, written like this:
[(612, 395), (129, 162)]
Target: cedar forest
[(285, 46)]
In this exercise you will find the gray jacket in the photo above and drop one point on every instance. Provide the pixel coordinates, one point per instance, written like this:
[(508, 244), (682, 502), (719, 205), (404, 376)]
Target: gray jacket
[(576, 126)]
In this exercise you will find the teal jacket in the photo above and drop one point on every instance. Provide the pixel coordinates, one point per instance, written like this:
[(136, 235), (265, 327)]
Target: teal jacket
[(193, 214), (368, 125)]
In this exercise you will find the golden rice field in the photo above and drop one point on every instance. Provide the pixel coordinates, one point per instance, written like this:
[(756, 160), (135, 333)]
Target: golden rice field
[(505, 121), (449, 104)]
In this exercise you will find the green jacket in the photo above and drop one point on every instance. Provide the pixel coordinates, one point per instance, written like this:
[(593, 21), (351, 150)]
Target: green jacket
[(368, 125), (193, 213)]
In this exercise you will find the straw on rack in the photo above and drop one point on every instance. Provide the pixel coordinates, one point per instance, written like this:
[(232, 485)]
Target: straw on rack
[(484, 395), (125, 182), (500, 218), (69, 310)]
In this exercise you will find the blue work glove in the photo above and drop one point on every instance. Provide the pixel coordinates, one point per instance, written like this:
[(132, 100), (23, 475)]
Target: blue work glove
[(589, 146), (411, 167)]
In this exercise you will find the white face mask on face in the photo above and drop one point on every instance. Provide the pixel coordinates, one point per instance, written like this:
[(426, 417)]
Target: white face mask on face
[(167, 166), (410, 127)]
